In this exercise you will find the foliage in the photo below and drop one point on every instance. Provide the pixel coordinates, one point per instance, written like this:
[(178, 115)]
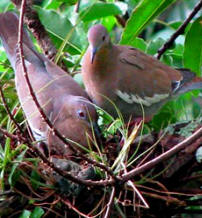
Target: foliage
[(149, 26)]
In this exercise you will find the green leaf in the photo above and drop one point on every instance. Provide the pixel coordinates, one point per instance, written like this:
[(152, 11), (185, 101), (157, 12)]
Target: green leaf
[(25, 214), (5, 4), (141, 16), (139, 43), (37, 212), (176, 54), (193, 47), (35, 177), (167, 59), (109, 22), (99, 10), (70, 2), (48, 4), (61, 28), (154, 45)]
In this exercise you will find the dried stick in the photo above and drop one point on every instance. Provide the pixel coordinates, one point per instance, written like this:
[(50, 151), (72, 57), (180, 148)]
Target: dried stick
[(162, 157), (110, 203), (179, 31), (72, 207), (135, 190), (167, 199)]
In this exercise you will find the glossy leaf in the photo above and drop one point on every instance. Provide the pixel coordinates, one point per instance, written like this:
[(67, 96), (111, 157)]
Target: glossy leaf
[(5, 4), (139, 43), (154, 46), (193, 47), (58, 32), (99, 10), (37, 212), (25, 214), (141, 16)]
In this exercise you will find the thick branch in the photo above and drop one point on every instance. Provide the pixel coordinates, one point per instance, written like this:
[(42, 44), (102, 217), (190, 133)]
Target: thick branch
[(163, 157), (179, 31)]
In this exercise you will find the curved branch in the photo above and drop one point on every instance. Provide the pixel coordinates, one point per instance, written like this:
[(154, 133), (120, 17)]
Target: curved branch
[(46, 119), (8, 134), (179, 31), (162, 157)]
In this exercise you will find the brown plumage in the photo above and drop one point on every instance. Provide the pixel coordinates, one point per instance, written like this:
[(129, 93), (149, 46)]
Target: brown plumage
[(65, 103), (129, 77)]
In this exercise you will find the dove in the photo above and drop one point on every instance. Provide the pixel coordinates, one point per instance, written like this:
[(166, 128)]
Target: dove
[(130, 79), (64, 102)]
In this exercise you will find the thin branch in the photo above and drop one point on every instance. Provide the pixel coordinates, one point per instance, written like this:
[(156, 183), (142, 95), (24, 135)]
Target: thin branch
[(167, 199), (110, 203), (121, 20), (72, 207), (162, 157), (135, 190), (77, 6), (8, 134), (100, 165), (179, 31)]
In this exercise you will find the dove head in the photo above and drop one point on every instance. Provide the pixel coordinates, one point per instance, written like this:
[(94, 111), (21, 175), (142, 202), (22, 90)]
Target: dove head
[(76, 120), (82, 109), (98, 38)]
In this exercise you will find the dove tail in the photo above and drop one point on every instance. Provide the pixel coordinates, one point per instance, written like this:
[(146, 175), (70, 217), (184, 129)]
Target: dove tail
[(195, 83), (189, 82), (9, 35)]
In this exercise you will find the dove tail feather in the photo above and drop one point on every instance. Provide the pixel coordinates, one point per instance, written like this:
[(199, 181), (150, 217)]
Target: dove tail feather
[(9, 34), (195, 83)]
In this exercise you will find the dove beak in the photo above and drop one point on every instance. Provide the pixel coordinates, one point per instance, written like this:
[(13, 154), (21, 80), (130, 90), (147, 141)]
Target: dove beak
[(94, 51)]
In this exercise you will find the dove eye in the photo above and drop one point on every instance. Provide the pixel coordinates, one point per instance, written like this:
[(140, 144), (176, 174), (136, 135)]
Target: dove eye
[(81, 114), (103, 38)]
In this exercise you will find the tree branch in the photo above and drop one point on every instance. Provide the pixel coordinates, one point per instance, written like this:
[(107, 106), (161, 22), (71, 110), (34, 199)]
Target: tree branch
[(179, 31), (8, 134), (163, 157)]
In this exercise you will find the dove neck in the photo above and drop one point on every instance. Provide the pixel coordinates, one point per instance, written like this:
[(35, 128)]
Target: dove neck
[(103, 58)]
